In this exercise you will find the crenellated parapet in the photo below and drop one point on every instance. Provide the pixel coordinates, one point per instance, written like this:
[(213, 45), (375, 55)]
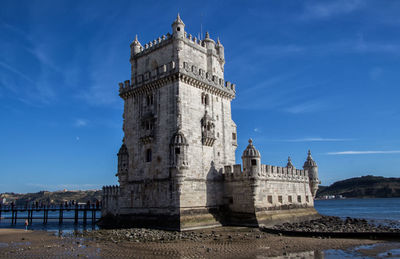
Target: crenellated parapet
[(111, 190), (152, 45), (185, 71), (216, 48), (190, 69), (267, 172), (271, 172)]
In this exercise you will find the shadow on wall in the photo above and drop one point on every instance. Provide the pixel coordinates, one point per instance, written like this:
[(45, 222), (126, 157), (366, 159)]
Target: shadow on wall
[(214, 192)]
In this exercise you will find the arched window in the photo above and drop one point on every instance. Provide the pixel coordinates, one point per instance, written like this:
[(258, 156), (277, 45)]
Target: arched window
[(253, 162)]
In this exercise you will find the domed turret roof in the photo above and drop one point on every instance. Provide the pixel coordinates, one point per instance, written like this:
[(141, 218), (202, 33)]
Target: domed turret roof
[(251, 151), (309, 162), (289, 163), (178, 139)]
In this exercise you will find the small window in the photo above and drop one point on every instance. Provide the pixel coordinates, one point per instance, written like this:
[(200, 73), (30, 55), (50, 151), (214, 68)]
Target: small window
[(207, 100), (253, 162), (307, 199), (149, 100), (280, 199), (217, 134), (177, 151), (178, 28), (148, 155), (234, 136), (217, 117), (270, 199), (290, 199), (218, 154), (299, 198)]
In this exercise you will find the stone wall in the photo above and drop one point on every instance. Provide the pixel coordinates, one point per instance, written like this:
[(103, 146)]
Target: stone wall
[(110, 197)]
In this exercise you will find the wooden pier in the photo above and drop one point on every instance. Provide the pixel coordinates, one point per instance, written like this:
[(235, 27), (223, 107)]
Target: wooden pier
[(42, 213)]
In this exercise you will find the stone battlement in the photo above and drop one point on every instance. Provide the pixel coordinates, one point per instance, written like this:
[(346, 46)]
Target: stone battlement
[(268, 172), (110, 190), (185, 68), (167, 38)]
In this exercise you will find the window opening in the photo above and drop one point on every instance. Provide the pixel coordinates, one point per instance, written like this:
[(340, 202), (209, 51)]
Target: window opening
[(148, 155)]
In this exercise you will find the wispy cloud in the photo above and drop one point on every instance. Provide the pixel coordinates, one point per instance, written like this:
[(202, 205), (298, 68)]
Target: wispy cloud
[(306, 107), (307, 139), (317, 139), (327, 9), (16, 71), (364, 152), (80, 123)]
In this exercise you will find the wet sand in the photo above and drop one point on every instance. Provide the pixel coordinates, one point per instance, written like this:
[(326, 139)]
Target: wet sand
[(229, 242)]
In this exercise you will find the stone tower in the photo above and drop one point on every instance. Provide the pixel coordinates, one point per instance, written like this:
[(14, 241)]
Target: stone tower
[(178, 131), (176, 165)]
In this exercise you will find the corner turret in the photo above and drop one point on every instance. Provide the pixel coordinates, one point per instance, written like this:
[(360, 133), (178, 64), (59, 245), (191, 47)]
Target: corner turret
[(123, 164), (251, 159), (178, 28), (209, 43), (178, 151), (289, 164), (136, 47), (312, 168)]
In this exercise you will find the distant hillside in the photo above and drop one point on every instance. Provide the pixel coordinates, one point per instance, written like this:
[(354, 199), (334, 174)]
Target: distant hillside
[(52, 197), (363, 187)]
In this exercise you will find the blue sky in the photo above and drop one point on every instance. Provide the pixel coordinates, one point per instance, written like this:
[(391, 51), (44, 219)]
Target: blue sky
[(319, 75)]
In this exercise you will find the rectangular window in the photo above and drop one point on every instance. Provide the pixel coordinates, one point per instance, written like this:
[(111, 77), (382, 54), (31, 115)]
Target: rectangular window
[(148, 155), (177, 151), (299, 198), (253, 162), (280, 200), (234, 136), (290, 199), (307, 199), (149, 100), (270, 199)]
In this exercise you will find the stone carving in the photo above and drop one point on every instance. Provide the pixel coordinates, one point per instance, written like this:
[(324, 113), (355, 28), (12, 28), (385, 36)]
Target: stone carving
[(207, 130)]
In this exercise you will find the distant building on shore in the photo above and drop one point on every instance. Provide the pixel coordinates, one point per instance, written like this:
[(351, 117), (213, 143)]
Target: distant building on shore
[(176, 165)]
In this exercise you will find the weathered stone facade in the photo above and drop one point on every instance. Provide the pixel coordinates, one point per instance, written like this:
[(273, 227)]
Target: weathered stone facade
[(176, 166)]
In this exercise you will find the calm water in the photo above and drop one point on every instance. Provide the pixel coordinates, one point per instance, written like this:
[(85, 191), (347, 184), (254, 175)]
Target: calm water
[(52, 224), (371, 209)]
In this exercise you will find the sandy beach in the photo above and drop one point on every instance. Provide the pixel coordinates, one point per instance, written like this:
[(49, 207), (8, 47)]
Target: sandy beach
[(229, 243)]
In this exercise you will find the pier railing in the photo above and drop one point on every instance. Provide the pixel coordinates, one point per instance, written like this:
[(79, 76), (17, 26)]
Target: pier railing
[(42, 212)]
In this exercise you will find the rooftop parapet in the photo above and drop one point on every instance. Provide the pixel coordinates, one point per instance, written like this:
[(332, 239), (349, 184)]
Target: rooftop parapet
[(167, 38), (203, 45), (276, 172), (268, 172)]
